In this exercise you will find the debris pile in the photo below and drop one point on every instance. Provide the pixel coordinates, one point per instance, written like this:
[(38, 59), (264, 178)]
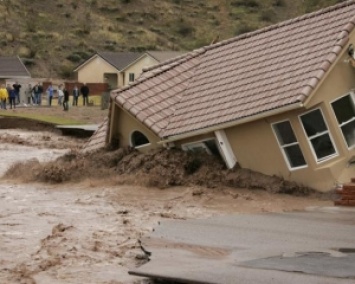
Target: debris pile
[(160, 168)]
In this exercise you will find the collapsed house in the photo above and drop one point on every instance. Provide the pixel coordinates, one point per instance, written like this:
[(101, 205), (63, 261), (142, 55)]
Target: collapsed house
[(279, 100)]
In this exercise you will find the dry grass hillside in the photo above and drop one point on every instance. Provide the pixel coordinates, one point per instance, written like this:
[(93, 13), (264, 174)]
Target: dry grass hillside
[(53, 36)]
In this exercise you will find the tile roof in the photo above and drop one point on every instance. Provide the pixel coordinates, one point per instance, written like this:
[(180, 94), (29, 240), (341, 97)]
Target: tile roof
[(120, 59), (98, 139), (241, 77), (12, 67)]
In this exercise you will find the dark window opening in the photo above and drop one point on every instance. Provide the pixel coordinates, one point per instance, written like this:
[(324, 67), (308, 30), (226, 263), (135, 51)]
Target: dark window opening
[(344, 110), (139, 139), (131, 77)]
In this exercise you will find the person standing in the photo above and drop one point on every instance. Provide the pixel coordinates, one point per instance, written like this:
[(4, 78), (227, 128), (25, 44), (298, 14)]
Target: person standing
[(66, 99), (17, 88), (35, 91), (84, 90), (12, 98), (75, 95), (29, 94), (3, 96), (50, 94), (60, 95), (40, 93)]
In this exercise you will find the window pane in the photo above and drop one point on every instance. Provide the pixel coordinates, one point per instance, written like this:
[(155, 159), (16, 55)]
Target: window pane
[(295, 156), (285, 133), (344, 109), (323, 146), (286, 136), (313, 123), (349, 133)]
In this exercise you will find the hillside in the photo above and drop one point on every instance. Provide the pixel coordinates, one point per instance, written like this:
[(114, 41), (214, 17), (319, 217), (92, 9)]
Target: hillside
[(53, 36)]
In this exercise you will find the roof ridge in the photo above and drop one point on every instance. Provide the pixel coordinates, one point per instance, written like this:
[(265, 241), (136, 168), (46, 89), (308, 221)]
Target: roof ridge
[(282, 24), (171, 60)]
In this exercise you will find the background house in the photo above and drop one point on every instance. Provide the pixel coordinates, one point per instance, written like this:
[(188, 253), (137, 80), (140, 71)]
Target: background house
[(119, 68), (13, 70)]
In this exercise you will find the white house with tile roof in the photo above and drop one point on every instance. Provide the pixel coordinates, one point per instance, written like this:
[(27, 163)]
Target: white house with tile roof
[(119, 69), (280, 101)]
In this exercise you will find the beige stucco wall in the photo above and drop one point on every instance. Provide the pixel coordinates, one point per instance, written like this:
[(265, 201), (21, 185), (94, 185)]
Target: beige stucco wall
[(93, 71), (124, 125), (137, 67)]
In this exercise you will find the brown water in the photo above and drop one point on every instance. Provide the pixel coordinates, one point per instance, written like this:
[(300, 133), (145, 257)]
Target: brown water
[(89, 232)]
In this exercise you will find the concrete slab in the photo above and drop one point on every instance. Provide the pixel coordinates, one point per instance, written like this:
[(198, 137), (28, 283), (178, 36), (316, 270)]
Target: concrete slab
[(316, 246)]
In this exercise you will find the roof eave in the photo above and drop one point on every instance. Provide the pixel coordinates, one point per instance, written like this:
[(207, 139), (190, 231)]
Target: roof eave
[(233, 123), (86, 62)]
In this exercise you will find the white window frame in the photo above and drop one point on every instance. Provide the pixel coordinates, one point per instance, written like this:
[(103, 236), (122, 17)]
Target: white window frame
[(131, 140), (317, 135), (352, 95), (198, 144), (282, 147)]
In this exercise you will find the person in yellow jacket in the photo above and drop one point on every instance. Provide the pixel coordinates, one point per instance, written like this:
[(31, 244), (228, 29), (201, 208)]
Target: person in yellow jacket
[(4, 96)]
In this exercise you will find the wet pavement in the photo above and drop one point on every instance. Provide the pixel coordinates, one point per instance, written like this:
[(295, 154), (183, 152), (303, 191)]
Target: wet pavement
[(316, 246)]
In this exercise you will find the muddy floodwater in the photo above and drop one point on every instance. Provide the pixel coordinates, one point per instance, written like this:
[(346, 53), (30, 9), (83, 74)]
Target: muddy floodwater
[(89, 232)]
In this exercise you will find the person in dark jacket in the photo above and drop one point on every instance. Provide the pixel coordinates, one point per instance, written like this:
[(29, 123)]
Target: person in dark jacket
[(17, 88), (66, 99), (84, 90), (12, 98)]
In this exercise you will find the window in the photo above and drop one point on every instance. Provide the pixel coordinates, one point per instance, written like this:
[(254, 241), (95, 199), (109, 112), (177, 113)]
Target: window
[(131, 77), (318, 135), (209, 146), (344, 109), (289, 144), (138, 139)]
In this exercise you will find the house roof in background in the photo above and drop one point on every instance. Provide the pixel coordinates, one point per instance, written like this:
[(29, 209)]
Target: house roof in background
[(162, 56), (121, 60), (242, 77), (12, 67)]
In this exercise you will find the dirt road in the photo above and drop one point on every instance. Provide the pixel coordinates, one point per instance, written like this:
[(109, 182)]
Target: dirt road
[(89, 232)]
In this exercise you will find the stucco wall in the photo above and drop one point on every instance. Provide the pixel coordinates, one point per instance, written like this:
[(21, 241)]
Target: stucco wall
[(137, 67), (94, 70), (123, 127)]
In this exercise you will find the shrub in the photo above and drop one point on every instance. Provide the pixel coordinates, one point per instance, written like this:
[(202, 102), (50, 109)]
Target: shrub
[(243, 28), (279, 3), (65, 71), (245, 3), (268, 15), (184, 29), (74, 58)]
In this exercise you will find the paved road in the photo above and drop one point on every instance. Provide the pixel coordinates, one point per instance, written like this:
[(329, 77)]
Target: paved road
[(316, 246)]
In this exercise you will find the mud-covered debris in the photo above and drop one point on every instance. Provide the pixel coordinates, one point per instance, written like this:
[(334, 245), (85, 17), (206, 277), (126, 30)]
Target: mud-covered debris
[(159, 168)]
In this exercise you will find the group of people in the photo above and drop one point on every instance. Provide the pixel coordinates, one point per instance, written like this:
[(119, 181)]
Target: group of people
[(11, 94)]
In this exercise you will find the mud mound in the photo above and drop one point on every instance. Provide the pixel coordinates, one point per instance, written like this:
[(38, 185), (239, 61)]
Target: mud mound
[(160, 168), (28, 124)]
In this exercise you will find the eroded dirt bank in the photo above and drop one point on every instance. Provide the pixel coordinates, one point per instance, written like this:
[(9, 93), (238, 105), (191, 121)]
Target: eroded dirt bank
[(66, 217)]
